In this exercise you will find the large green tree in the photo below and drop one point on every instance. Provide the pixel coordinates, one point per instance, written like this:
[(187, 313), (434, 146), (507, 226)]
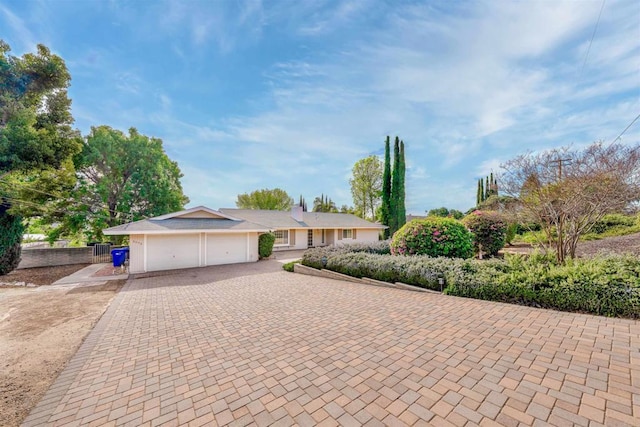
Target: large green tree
[(385, 207), (35, 116), (124, 178), (270, 199), (36, 133), (366, 185)]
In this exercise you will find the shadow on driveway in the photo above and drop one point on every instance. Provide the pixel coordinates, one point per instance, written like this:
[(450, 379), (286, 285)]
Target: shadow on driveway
[(211, 274)]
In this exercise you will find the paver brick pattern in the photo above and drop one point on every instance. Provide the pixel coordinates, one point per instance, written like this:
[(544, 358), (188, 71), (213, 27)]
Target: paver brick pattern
[(216, 347)]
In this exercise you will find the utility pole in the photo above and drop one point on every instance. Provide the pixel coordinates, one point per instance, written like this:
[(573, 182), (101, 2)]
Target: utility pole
[(559, 162)]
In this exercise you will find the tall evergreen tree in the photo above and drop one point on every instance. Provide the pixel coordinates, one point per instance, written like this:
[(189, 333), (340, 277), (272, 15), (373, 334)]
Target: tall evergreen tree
[(401, 210), (494, 185), (302, 203), (479, 192), (487, 188), (395, 185), (385, 209)]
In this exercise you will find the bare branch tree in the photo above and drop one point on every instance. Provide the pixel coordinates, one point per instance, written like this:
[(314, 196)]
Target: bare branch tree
[(567, 191)]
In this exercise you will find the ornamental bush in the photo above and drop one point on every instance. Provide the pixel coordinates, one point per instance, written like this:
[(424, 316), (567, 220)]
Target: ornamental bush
[(433, 236), (11, 230), (489, 231), (265, 244)]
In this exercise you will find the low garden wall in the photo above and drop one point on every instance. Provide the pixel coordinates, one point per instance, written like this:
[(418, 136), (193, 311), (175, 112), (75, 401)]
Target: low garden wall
[(50, 257)]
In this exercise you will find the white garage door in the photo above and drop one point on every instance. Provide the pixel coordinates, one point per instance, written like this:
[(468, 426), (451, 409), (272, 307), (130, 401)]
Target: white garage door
[(226, 248), (171, 252)]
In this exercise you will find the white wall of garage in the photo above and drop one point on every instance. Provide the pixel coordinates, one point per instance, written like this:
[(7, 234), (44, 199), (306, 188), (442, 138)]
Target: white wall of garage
[(156, 252)]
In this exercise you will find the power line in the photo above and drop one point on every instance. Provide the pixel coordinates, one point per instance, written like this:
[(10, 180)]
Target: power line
[(57, 197), (32, 204), (593, 35), (626, 129)]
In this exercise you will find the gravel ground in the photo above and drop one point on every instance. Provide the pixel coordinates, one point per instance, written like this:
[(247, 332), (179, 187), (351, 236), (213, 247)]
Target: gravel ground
[(620, 244), (41, 275)]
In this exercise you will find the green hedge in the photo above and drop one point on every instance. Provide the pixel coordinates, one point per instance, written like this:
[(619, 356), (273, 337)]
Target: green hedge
[(290, 265), (11, 230), (265, 244), (608, 286)]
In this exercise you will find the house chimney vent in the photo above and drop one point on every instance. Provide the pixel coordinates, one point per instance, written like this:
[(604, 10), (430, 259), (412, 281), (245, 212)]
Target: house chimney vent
[(296, 213)]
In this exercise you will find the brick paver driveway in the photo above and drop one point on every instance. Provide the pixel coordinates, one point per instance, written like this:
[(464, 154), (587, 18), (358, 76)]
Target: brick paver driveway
[(252, 344)]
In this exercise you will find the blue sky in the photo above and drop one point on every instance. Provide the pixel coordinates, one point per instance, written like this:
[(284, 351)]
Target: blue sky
[(290, 94)]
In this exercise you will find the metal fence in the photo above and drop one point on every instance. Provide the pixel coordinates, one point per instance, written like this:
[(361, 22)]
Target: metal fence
[(101, 253)]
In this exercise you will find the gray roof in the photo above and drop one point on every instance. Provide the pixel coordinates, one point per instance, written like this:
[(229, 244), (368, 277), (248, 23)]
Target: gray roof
[(283, 219), (186, 224), (242, 220)]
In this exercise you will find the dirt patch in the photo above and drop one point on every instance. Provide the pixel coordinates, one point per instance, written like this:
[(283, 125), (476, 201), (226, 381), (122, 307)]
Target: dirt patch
[(41, 275), (617, 245), (40, 329)]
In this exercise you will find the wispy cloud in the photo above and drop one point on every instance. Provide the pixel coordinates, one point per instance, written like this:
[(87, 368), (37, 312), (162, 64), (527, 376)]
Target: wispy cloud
[(291, 93), (20, 29)]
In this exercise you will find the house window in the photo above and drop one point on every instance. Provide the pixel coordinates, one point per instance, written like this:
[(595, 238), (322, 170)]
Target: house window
[(347, 233), (282, 237)]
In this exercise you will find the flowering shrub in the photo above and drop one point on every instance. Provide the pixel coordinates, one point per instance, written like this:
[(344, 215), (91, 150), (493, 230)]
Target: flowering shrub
[(489, 231), (433, 236)]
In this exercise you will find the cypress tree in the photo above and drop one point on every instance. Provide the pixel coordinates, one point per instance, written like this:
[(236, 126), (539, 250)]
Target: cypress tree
[(487, 188), (385, 209), (479, 192), (395, 186), (495, 186), (402, 212)]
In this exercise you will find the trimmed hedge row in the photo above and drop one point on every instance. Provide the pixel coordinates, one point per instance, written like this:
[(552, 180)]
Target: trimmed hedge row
[(608, 286), (313, 257)]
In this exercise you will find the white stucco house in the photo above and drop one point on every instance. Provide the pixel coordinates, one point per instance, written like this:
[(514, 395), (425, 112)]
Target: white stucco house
[(201, 236)]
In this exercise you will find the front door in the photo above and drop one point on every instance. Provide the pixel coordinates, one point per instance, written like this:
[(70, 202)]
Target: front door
[(310, 238)]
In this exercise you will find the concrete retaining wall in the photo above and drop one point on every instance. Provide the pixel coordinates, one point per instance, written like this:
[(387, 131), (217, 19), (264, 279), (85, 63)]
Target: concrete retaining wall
[(50, 257), (328, 274)]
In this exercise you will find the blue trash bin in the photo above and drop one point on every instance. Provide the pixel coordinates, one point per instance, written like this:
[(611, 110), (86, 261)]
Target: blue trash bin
[(119, 256)]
